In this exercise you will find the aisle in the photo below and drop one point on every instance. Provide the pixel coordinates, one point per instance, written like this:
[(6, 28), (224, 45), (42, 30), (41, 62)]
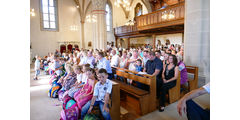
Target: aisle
[(41, 106)]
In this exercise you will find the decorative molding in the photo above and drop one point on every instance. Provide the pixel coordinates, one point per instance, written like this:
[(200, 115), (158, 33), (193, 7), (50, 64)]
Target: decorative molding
[(99, 4)]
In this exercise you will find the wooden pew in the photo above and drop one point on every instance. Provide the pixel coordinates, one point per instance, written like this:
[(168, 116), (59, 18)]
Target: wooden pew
[(145, 100), (174, 93), (192, 83), (114, 102)]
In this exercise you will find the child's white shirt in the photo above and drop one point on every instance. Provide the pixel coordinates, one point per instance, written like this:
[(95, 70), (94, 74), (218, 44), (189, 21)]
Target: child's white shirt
[(37, 64)]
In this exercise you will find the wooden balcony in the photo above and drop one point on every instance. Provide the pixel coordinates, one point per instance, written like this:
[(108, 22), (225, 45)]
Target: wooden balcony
[(154, 21), (125, 30)]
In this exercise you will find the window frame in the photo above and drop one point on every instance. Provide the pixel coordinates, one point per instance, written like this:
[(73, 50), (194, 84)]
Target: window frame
[(56, 17), (110, 18)]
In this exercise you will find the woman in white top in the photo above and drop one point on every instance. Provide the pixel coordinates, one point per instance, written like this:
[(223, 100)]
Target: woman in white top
[(123, 60), (84, 58)]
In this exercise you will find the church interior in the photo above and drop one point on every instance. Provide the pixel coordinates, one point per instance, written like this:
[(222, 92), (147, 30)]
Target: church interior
[(65, 26)]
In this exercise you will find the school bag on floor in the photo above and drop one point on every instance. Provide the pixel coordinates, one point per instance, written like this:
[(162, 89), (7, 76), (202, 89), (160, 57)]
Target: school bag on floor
[(70, 114), (70, 111), (66, 102), (53, 92), (91, 117)]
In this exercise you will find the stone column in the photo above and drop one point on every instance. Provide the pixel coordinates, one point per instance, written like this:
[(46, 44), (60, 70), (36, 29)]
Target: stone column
[(82, 34), (116, 42), (128, 39), (154, 41), (99, 28), (197, 36)]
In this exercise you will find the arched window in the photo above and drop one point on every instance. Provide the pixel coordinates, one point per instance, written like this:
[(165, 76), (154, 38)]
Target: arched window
[(138, 10), (108, 17), (49, 19)]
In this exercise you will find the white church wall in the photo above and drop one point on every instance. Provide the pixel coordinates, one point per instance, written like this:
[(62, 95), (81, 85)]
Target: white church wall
[(119, 18), (173, 38), (46, 41), (88, 30), (141, 41)]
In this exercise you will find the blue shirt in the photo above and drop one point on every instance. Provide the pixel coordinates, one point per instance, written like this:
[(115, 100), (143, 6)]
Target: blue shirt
[(152, 65), (100, 90), (139, 68), (104, 63)]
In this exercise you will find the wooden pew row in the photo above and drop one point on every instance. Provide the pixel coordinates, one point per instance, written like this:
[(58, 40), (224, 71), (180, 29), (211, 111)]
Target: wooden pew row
[(146, 99), (192, 83), (114, 102)]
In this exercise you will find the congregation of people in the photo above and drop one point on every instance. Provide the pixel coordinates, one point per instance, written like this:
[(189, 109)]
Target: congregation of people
[(84, 76)]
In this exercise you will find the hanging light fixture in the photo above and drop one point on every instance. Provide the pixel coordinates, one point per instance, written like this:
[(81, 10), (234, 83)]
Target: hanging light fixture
[(124, 3), (171, 14), (91, 18), (168, 15), (32, 13)]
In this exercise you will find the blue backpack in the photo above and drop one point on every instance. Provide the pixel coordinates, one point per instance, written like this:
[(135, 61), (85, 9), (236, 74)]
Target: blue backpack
[(53, 92)]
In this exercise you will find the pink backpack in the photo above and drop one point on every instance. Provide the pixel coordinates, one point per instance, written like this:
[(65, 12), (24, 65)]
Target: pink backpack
[(72, 113)]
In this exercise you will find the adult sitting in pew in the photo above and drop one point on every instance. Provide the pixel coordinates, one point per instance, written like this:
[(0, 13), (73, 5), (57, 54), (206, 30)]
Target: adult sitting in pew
[(154, 67), (104, 63), (169, 77), (182, 69), (194, 111)]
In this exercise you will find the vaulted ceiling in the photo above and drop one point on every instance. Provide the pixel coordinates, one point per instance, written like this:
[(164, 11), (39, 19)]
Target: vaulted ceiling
[(83, 8)]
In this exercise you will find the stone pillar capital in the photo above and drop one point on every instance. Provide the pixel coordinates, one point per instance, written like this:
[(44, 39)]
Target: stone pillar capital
[(99, 4)]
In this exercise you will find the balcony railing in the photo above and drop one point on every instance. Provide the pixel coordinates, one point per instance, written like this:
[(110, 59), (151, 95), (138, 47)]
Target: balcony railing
[(126, 29), (156, 18)]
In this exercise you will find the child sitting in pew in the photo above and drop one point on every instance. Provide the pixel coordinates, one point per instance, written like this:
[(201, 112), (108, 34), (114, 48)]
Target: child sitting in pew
[(57, 66), (68, 81), (86, 93), (102, 90), (81, 79), (139, 68)]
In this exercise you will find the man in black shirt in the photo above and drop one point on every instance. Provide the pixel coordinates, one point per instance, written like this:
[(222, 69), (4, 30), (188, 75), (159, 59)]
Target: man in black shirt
[(154, 66)]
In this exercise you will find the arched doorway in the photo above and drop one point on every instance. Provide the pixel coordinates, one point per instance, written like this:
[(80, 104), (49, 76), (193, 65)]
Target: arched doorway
[(62, 48), (69, 47)]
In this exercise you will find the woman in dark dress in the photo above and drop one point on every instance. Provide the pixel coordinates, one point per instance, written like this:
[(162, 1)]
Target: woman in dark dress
[(169, 77)]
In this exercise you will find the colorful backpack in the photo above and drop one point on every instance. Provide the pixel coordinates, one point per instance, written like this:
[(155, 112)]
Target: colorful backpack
[(66, 99), (70, 111), (91, 117), (70, 114), (70, 103), (53, 92)]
